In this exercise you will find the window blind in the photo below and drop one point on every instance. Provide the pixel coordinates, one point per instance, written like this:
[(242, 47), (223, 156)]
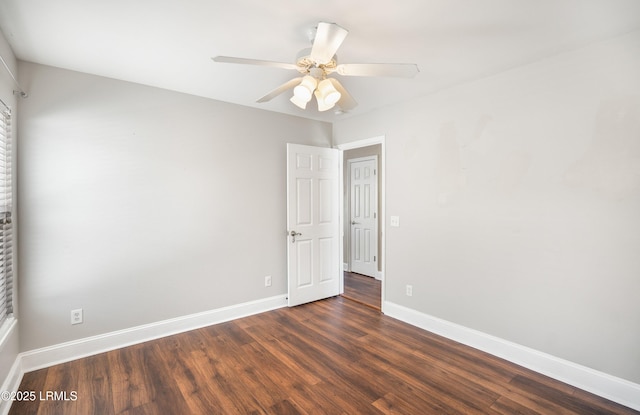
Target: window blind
[(6, 227)]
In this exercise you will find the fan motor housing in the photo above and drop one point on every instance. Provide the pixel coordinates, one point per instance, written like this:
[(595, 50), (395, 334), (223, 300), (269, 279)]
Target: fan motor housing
[(306, 64)]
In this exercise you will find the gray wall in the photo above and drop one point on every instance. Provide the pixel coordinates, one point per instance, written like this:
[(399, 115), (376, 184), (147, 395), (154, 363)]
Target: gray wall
[(139, 204), (519, 204)]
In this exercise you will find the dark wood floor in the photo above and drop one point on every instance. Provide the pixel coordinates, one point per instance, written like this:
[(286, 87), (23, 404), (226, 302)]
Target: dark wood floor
[(362, 289), (329, 357)]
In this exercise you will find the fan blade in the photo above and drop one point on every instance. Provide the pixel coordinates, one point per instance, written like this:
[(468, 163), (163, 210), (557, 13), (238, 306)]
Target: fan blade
[(400, 70), (329, 37), (346, 101), (230, 59), (279, 90)]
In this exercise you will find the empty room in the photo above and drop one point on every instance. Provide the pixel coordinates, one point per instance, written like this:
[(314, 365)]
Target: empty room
[(288, 207)]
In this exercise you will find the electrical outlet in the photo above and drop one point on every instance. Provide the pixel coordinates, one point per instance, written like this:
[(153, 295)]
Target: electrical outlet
[(76, 316), (409, 290), (267, 281), (395, 221)]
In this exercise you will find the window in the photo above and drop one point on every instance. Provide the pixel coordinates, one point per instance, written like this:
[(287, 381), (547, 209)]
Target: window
[(6, 227)]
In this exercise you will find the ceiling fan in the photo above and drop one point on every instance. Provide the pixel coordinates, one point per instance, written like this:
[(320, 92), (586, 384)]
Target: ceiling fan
[(317, 63)]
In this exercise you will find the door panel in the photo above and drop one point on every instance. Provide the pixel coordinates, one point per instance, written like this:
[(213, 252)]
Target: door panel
[(325, 204), (313, 215), (327, 263), (304, 252), (304, 202)]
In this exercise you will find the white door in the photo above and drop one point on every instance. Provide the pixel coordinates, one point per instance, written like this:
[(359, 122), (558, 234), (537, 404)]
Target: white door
[(313, 223), (363, 184)]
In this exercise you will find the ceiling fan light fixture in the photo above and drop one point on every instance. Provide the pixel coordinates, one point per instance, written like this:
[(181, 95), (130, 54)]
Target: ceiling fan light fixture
[(299, 102), (327, 95), (322, 104), (316, 63), (304, 91)]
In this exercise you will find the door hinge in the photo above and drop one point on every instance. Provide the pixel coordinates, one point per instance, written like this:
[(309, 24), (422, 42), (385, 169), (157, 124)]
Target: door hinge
[(375, 215), (374, 258), (374, 172)]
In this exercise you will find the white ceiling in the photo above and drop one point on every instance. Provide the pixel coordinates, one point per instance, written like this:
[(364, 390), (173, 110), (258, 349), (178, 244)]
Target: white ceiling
[(169, 43)]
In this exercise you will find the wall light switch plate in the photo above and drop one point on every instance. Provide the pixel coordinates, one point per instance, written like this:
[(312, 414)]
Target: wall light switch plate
[(395, 221)]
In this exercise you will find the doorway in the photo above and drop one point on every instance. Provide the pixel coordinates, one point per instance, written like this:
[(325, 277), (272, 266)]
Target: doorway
[(364, 242), (362, 180)]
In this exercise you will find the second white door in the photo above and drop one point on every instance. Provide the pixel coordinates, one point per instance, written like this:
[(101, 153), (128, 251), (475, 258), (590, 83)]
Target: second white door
[(363, 184)]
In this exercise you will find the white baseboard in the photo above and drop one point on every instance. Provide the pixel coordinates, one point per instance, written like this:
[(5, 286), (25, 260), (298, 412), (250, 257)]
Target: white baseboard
[(64, 352), (11, 384), (607, 386), (13, 378)]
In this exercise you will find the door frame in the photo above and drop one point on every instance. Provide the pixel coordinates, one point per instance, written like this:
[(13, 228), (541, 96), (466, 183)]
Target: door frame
[(381, 194)]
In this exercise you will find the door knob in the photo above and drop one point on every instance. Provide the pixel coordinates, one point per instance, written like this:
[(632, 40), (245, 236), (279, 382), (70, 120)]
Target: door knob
[(353, 222), (293, 236)]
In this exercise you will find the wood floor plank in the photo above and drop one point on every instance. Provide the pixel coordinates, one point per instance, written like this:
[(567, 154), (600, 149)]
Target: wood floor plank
[(475, 395), (330, 357), (436, 390), (392, 403), (283, 352), (129, 390), (60, 379), (599, 402), (285, 408), (555, 396), (505, 406), (363, 289), (35, 384), (222, 367), (407, 396)]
